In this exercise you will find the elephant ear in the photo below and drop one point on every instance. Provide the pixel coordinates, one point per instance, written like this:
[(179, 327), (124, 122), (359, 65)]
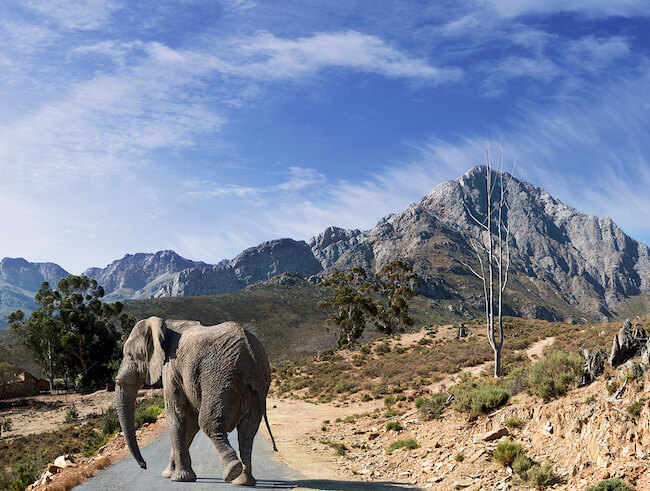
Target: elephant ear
[(157, 330)]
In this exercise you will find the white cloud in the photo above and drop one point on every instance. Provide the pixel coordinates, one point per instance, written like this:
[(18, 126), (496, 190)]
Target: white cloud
[(106, 123), (267, 56), (76, 14), (592, 53)]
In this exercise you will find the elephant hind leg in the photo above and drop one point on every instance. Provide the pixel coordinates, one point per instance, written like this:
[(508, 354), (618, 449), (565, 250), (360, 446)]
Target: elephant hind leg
[(246, 433), (212, 421)]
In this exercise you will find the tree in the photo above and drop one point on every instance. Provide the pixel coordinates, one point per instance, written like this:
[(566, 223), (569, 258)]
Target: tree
[(89, 337), (492, 250), (73, 331), (41, 333), (351, 302), (395, 282), (355, 301)]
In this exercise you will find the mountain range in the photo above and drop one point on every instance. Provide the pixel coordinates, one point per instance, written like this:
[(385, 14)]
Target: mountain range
[(565, 265)]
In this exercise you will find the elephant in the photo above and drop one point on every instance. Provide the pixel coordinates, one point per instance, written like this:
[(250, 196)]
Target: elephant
[(215, 378)]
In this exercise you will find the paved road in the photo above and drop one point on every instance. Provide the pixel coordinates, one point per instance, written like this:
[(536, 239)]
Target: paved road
[(270, 472)]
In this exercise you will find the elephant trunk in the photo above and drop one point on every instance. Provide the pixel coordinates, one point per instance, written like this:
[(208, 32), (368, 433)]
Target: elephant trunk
[(125, 404)]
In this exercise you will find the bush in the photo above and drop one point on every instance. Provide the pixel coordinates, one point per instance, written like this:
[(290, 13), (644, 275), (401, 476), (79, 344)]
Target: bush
[(7, 424), (389, 401), (611, 484), (148, 414), (514, 421), (635, 408), (366, 397), (408, 443), (474, 397), (551, 376), (110, 422), (487, 399), (459, 457), (521, 464), (542, 476), (394, 426), (507, 451), (71, 414), (431, 408)]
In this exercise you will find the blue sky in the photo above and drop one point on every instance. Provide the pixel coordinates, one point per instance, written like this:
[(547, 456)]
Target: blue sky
[(210, 126)]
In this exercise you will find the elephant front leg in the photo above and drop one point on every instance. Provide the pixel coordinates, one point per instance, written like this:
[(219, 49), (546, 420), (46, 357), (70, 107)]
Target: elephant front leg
[(181, 431)]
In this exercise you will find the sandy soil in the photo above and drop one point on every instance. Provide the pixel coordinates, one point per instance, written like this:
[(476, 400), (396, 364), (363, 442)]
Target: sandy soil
[(46, 412)]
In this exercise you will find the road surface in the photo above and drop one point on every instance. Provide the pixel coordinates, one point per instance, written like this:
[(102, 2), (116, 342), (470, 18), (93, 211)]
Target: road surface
[(270, 472)]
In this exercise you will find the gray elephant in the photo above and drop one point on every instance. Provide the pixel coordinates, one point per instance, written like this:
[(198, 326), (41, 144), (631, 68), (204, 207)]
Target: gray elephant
[(215, 378)]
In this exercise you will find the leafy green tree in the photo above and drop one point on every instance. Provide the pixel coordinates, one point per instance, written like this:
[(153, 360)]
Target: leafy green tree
[(73, 331), (41, 333), (351, 302), (90, 337), (394, 282)]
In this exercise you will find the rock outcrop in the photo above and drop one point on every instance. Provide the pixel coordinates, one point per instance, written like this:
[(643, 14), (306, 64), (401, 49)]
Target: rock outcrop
[(628, 343)]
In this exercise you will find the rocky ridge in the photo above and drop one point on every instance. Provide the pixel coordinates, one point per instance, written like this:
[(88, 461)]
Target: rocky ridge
[(565, 265)]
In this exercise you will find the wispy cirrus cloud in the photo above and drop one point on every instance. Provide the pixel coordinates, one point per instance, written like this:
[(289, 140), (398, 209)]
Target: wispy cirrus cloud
[(268, 56)]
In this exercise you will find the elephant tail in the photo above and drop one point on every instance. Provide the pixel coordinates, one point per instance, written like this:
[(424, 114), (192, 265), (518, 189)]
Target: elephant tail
[(266, 420)]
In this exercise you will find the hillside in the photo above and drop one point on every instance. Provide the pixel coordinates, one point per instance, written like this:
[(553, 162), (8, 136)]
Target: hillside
[(281, 311), (384, 411)]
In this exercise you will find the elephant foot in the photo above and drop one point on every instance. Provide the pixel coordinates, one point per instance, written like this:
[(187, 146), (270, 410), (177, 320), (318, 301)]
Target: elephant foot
[(232, 470), (184, 475), (168, 472), (245, 479)]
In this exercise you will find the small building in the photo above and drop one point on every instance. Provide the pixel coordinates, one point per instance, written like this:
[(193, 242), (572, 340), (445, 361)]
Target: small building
[(24, 385)]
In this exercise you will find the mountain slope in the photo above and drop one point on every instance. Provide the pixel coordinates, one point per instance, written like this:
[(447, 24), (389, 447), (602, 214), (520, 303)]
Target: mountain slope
[(19, 282)]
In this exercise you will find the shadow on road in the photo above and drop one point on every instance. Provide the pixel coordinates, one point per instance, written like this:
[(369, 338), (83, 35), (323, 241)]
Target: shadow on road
[(320, 484)]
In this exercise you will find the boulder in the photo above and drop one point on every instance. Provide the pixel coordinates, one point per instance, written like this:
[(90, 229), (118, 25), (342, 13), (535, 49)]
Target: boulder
[(495, 434)]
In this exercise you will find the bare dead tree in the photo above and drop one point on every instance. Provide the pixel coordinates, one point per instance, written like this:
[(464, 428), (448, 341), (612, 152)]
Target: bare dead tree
[(492, 249)]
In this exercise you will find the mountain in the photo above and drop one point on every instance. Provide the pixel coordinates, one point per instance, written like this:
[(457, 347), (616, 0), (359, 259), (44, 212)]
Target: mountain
[(135, 274), (565, 265), (19, 282)]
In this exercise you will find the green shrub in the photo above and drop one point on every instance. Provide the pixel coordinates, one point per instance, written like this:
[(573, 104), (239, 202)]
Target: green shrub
[(389, 401), (71, 414), (390, 413), (394, 426), (521, 464), (340, 448), (400, 397), (514, 421), (551, 376), (611, 484), (148, 414), (7, 424), (590, 400), (459, 457), (350, 419), (487, 399), (517, 380), (542, 476), (366, 397), (431, 408), (635, 408), (507, 451), (408, 443), (110, 422), (476, 397)]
